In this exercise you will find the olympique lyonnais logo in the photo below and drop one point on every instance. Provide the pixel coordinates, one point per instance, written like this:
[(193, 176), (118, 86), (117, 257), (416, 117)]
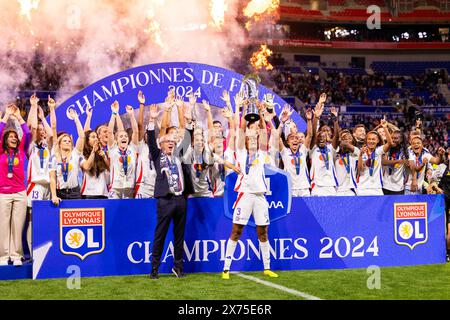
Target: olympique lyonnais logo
[(411, 223), (82, 231)]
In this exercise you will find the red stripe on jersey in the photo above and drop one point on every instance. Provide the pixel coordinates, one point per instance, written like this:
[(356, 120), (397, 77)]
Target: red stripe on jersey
[(238, 199), (30, 188), (240, 182), (84, 183), (30, 171)]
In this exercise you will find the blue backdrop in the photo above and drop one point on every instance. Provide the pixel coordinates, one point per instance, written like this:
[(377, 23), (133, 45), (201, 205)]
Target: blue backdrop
[(318, 233)]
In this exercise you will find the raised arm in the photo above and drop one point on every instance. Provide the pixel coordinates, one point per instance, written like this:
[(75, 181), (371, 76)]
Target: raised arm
[(112, 122), (134, 125), (141, 128), (388, 143), (81, 136), (53, 122), (309, 116), (151, 135), (168, 104), (334, 116), (318, 110), (228, 114), (32, 120), (87, 124), (262, 128), (209, 118), (440, 158), (47, 128)]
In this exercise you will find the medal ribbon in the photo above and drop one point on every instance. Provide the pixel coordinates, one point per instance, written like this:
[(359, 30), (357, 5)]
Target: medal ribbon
[(65, 169), (124, 157), (11, 162)]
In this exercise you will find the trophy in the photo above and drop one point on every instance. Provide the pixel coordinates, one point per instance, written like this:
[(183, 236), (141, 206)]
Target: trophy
[(250, 88)]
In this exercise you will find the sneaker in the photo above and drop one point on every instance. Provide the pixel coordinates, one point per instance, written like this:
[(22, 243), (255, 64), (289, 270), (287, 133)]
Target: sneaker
[(226, 275), (448, 258), (3, 263), (178, 272), (270, 273), (154, 274), (17, 263)]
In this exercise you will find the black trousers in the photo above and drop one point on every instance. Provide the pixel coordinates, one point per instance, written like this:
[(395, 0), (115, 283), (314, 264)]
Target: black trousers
[(393, 193), (169, 208)]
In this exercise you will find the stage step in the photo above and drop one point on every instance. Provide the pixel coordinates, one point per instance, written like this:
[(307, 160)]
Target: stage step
[(14, 273)]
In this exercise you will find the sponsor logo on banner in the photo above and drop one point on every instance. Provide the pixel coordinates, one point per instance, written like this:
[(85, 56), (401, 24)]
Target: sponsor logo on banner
[(278, 196), (82, 231), (411, 223)]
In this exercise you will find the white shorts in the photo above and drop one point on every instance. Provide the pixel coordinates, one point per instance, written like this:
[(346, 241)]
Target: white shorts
[(319, 191), (250, 203), (370, 192), (37, 192), (144, 191), (301, 193), (127, 193), (345, 192)]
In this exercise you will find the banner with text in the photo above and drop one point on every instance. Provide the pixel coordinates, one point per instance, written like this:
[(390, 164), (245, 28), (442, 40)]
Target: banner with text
[(155, 80), (115, 237)]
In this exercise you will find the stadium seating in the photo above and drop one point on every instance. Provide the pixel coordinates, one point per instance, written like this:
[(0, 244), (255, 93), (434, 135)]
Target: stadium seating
[(346, 71), (408, 68)]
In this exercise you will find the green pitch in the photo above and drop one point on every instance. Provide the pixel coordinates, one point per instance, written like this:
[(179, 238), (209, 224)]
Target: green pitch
[(419, 282)]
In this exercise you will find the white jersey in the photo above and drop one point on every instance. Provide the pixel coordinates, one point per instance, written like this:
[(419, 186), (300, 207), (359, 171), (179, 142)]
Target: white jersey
[(120, 179), (199, 165), (252, 179), (67, 170), (394, 175), (218, 172), (346, 170), (39, 164), (92, 185), (322, 172), (295, 164), (371, 175), (145, 173), (418, 160)]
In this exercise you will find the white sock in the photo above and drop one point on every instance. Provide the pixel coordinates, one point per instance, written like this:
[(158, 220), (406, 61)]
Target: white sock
[(265, 254), (231, 246)]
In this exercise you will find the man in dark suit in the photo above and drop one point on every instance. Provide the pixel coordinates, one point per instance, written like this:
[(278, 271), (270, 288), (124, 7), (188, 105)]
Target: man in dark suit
[(172, 186)]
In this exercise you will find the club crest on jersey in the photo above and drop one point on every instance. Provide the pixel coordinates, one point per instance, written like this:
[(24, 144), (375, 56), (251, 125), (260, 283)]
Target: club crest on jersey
[(82, 231), (411, 223)]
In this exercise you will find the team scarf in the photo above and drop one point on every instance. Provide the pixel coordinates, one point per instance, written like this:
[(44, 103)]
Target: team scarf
[(171, 170)]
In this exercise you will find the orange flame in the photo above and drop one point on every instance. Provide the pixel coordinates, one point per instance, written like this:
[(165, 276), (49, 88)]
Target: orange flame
[(256, 8), (259, 58)]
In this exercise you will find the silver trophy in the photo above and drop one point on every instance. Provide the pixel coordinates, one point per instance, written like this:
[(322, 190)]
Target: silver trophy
[(250, 88)]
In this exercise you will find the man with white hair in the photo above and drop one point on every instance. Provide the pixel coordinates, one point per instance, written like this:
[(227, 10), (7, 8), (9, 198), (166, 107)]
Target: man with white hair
[(173, 184)]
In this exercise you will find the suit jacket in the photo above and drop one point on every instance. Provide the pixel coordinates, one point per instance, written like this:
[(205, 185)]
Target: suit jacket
[(161, 183)]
